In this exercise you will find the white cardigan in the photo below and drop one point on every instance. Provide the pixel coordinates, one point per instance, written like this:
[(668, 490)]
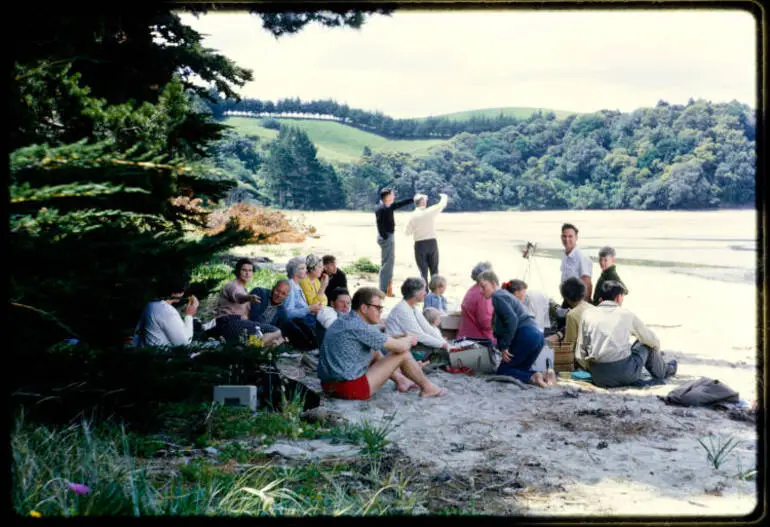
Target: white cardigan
[(405, 319)]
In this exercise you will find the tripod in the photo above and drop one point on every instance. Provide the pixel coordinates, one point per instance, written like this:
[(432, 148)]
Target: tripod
[(528, 270)]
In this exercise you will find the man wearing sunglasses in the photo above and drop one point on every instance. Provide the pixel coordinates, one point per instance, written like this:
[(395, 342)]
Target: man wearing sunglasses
[(352, 365)]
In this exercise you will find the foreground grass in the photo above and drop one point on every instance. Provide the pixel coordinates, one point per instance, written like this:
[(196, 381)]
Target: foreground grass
[(83, 470)]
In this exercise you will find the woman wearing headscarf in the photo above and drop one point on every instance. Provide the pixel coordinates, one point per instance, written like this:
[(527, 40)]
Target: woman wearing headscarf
[(312, 284)]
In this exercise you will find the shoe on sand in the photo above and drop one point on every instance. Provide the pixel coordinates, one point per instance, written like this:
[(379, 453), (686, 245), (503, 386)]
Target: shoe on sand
[(671, 369)]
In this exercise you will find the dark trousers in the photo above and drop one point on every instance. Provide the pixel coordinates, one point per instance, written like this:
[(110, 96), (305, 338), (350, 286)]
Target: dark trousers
[(300, 332), (426, 256), (234, 328), (526, 346)]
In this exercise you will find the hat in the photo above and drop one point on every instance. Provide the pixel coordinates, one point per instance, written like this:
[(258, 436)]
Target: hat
[(312, 261), (418, 197)]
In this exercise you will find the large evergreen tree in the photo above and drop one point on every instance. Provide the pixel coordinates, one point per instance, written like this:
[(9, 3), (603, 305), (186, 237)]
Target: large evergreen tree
[(107, 178)]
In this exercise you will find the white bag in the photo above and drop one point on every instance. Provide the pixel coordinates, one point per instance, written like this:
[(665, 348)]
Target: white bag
[(477, 357), (540, 362)]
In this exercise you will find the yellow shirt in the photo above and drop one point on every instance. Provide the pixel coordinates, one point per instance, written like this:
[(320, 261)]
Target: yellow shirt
[(311, 288), (574, 316)]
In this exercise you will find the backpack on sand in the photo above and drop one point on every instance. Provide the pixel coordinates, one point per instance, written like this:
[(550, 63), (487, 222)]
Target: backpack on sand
[(701, 392)]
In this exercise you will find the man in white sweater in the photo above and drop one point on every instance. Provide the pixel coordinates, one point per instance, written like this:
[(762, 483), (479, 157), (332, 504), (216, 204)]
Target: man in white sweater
[(422, 226), (406, 318), (162, 325), (603, 343)]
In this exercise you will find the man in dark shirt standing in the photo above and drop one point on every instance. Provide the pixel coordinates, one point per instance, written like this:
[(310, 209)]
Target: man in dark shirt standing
[(386, 226)]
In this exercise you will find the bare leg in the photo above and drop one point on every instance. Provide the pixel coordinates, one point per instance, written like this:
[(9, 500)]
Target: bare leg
[(383, 369), (402, 383)]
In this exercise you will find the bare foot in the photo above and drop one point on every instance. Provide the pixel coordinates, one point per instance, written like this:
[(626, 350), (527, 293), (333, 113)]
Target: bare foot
[(406, 386), (550, 377), (435, 392), (537, 378)]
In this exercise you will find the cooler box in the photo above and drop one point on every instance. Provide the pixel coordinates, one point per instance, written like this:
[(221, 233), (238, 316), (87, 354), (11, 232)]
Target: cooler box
[(244, 395)]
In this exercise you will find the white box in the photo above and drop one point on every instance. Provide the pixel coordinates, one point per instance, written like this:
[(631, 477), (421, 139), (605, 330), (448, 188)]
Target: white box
[(545, 353), (241, 395)]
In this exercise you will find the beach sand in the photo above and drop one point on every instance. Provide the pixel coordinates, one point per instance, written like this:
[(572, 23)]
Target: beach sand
[(569, 450)]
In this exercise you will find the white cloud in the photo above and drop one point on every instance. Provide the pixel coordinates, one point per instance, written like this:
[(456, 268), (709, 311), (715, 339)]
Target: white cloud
[(416, 63)]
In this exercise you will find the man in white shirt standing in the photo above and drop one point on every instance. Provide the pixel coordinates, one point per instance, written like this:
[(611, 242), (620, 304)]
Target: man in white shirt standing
[(162, 325), (573, 261), (422, 225), (603, 343)]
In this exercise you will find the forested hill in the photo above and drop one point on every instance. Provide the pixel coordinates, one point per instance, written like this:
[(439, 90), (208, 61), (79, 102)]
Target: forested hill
[(695, 156)]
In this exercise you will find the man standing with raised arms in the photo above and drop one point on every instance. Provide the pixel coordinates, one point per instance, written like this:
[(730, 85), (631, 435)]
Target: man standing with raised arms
[(386, 227), (422, 225)]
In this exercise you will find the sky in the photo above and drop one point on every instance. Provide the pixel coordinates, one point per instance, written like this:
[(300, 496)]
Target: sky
[(430, 62)]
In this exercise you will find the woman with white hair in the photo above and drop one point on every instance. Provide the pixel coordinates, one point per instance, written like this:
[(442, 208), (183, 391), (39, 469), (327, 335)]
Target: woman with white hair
[(405, 317), (312, 284), (297, 319), (476, 320)]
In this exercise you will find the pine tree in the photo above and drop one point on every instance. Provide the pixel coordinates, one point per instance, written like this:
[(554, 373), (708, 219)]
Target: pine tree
[(107, 179)]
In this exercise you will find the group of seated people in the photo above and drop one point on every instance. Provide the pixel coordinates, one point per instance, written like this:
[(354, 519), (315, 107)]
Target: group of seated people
[(291, 310), (358, 351)]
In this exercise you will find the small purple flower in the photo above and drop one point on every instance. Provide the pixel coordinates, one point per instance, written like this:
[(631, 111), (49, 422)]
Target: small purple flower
[(78, 488)]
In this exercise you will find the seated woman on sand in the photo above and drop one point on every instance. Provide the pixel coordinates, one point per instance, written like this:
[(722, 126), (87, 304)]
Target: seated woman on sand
[(517, 334), (298, 318), (406, 318), (312, 284), (476, 320)]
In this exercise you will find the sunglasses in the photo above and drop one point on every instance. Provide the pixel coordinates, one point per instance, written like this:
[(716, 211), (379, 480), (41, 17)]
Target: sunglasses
[(379, 308)]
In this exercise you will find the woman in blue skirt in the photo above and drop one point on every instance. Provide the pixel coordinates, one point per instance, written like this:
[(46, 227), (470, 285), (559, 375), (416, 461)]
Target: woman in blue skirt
[(516, 332)]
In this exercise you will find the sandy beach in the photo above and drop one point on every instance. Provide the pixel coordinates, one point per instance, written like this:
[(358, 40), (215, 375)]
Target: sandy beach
[(574, 450)]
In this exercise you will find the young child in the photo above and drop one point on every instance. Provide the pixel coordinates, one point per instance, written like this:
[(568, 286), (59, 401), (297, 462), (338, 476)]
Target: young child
[(432, 315), (436, 298)]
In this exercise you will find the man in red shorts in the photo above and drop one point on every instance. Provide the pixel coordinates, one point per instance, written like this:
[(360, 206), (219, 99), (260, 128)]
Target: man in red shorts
[(351, 365)]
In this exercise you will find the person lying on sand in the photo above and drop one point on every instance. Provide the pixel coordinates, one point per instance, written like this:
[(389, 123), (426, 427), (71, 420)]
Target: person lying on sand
[(516, 332), (349, 368)]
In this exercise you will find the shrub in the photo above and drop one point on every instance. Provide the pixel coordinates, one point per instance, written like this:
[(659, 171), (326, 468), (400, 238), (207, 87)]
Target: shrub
[(267, 226), (362, 265), (271, 124)]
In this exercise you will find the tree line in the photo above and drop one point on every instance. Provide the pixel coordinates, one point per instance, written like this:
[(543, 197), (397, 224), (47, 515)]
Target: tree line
[(373, 122), (695, 156)]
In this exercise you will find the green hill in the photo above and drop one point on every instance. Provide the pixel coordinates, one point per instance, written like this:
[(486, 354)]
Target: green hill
[(336, 142), (519, 112)]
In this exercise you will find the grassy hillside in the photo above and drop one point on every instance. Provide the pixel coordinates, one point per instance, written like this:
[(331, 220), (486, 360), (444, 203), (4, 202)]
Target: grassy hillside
[(519, 112), (336, 142)]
